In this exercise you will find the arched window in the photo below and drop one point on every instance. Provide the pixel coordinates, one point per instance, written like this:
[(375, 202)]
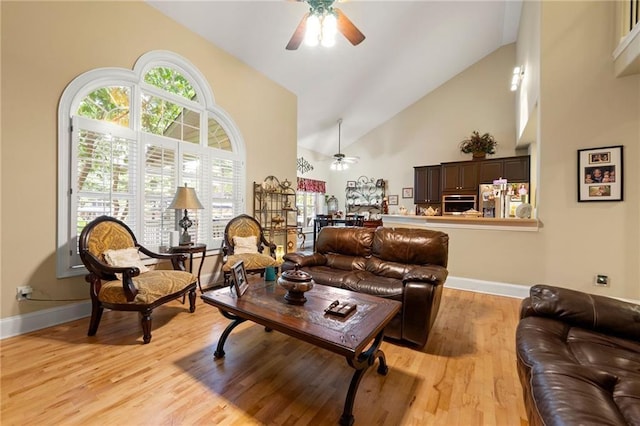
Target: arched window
[(129, 138)]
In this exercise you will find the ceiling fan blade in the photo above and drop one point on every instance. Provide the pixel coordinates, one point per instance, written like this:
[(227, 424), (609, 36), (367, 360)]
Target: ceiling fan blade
[(346, 27), (351, 160), (298, 34)]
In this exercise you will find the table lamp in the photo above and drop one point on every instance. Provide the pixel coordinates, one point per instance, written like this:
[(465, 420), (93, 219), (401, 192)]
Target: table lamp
[(185, 199)]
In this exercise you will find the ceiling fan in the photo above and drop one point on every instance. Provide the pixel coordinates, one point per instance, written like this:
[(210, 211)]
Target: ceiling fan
[(340, 161), (319, 25)]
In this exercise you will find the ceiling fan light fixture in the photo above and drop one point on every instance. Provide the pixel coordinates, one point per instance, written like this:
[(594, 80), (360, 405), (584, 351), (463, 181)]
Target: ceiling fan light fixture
[(321, 25), (321, 28), (329, 29), (338, 166), (312, 32), (340, 161)]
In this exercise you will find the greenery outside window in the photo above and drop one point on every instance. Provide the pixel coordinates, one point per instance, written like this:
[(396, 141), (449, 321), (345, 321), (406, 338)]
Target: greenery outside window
[(128, 139)]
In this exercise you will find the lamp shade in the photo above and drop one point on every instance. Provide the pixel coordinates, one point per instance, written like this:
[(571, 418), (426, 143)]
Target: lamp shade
[(185, 198)]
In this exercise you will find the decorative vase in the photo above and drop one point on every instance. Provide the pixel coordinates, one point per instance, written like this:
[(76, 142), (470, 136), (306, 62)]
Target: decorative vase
[(296, 283), (479, 155)]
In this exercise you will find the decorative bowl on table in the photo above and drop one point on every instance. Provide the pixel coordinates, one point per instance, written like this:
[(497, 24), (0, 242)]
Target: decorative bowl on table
[(296, 283)]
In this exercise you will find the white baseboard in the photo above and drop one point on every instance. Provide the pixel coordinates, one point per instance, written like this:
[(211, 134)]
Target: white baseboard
[(25, 323), (488, 287)]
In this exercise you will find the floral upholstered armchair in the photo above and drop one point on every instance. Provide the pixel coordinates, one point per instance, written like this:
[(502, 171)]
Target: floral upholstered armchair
[(244, 240), (120, 281)]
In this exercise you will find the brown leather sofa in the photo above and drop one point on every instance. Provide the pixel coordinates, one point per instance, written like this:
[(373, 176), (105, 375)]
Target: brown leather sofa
[(408, 265), (579, 358)]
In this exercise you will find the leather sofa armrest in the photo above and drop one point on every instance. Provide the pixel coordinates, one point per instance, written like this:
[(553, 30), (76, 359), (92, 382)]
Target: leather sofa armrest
[(301, 260), (434, 274), (579, 309)]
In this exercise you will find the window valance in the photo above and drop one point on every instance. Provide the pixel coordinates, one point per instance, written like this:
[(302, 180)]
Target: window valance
[(311, 185)]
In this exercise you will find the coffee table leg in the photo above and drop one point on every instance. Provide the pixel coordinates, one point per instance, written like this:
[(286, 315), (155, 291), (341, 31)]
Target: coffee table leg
[(362, 364), (235, 321)]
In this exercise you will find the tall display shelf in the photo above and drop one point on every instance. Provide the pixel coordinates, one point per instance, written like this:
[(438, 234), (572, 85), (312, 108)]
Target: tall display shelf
[(274, 206)]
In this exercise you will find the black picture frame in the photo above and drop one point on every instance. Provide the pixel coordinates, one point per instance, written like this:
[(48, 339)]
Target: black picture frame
[(239, 277), (600, 174), (351, 184)]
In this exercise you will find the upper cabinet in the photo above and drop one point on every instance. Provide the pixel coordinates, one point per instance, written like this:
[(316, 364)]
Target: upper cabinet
[(516, 169), (513, 169), (464, 177), (426, 185), (460, 177)]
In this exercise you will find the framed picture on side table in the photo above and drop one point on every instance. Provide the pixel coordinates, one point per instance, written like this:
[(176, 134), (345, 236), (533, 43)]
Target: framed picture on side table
[(239, 277), (407, 192), (600, 174)]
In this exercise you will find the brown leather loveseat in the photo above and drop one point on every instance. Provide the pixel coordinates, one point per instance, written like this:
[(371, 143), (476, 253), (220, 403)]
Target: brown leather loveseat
[(408, 265), (579, 358)]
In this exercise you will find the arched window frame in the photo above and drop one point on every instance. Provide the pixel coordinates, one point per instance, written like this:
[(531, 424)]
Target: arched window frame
[(210, 231)]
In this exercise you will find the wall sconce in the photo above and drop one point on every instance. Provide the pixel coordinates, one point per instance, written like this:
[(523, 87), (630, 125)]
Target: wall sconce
[(516, 78)]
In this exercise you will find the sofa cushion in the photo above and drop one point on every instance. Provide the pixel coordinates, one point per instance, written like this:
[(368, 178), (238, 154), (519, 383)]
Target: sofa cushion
[(600, 313), (413, 246), (366, 282), (326, 275), (350, 241), (387, 269), (346, 263), (573, 375)]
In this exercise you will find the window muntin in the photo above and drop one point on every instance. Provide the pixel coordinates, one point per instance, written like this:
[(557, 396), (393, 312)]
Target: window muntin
[(111, 163), (170, 80), (111, 103), (166, 118), (217, 137)]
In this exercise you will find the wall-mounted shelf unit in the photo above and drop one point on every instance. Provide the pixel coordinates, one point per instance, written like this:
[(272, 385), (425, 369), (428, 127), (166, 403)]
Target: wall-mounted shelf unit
[(365, 194)]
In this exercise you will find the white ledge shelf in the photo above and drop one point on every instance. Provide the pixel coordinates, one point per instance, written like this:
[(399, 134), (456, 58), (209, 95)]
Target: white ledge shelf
[(463, 222)]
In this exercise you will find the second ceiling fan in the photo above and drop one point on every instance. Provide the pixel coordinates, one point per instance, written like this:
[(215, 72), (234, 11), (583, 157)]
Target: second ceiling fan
[(340, 161), (319, 26)]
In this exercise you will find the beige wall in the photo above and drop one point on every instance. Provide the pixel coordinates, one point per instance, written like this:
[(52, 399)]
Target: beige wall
[(576, 102), (46, 45), (429, 131), (582, 105)]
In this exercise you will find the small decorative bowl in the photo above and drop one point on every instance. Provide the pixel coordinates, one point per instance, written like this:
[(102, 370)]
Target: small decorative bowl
[(296, 283)]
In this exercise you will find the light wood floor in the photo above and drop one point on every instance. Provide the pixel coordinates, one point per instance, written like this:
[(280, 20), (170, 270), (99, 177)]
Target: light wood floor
[(466, 375)]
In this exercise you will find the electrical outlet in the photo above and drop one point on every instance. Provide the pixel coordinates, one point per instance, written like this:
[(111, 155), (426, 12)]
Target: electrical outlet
[(601, 281), (23, 291)]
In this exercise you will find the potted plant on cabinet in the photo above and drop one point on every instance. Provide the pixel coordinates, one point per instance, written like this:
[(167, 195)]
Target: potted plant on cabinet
[(479, 145)]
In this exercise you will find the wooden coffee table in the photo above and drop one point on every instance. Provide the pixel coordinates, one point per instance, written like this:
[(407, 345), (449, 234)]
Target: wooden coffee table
[(357, 336)]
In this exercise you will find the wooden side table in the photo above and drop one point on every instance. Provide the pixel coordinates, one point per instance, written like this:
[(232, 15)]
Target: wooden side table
[(191, 249)]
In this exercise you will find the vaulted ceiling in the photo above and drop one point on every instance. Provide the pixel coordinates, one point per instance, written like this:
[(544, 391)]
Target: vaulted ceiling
[(411, 48)]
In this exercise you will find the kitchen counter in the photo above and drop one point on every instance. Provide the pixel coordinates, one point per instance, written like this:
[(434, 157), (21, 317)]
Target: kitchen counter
[(462, 221)]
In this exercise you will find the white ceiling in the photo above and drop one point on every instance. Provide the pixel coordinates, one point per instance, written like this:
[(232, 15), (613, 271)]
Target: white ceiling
[(411, 48)]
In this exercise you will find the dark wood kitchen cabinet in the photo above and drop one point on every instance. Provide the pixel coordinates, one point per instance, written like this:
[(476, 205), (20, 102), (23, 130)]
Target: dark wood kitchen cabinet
[(513, 169), (460, 177), (491, 170), (516, 169), (426, 183)]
